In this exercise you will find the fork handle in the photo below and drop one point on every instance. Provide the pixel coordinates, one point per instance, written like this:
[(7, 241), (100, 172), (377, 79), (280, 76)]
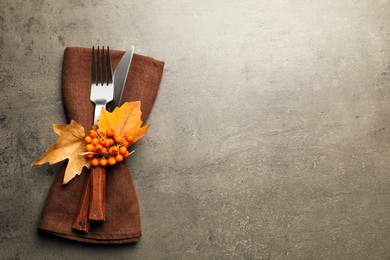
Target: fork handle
[(97, 206)]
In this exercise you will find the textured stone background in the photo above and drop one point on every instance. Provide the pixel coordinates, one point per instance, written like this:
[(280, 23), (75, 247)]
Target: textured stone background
[(270, 136)]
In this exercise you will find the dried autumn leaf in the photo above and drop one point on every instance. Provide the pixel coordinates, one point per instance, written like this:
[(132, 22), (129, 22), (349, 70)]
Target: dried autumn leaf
[(126, 118), (69, 145)]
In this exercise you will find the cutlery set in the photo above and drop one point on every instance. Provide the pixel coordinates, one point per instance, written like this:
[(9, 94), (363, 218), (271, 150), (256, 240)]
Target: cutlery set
[(106, 91)]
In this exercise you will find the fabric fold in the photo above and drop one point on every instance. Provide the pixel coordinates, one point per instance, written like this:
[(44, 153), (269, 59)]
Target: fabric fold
[(123, 224)]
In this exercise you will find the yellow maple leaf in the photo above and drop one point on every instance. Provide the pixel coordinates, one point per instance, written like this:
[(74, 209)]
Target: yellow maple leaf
[(70, 144), (124, 119)]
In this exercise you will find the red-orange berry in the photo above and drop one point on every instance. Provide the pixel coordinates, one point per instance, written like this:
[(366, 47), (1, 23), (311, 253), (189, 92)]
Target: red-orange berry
[(125, 143), (118, 138), (104, 151), (109, 142), (89, 148), (129, 138), (123, 150), (110, 132), (103, 162), (89, 155), (119, 157), (102, 141), (95, 162), (88, 139), (98, 148), (114, 150), (126, 154), (94, 141), (111, 161), (92, 133)]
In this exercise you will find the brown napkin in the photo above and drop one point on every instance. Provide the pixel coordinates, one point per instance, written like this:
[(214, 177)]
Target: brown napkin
[(122, 223)]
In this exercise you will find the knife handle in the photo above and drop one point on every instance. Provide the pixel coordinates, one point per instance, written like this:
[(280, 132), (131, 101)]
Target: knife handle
[(81, 220), (97, 206)]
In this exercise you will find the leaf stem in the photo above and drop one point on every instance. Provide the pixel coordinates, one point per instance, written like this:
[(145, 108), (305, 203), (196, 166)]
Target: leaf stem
[(87, 153)]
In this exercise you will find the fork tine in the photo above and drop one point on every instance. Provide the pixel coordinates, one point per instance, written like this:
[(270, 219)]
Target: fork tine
[(99, 74), (109, 77), (104, 68), (93, 66)]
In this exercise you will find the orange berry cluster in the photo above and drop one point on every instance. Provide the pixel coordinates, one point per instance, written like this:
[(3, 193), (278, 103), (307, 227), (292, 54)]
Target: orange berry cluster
[(107, 151)]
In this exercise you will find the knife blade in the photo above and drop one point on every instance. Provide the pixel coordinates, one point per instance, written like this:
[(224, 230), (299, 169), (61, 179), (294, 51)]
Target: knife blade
[(120, 76)]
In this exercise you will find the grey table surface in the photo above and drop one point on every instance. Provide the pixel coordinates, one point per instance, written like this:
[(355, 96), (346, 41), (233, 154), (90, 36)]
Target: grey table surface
[(270, 135)]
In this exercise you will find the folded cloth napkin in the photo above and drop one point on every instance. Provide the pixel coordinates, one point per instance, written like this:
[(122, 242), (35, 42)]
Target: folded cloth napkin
[(122, 223)]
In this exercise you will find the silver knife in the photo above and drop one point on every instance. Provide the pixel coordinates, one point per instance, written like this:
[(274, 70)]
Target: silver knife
[(120, 76)]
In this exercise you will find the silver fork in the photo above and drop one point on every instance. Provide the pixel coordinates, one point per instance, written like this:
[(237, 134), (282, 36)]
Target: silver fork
[(92, 202), (102, 86)]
